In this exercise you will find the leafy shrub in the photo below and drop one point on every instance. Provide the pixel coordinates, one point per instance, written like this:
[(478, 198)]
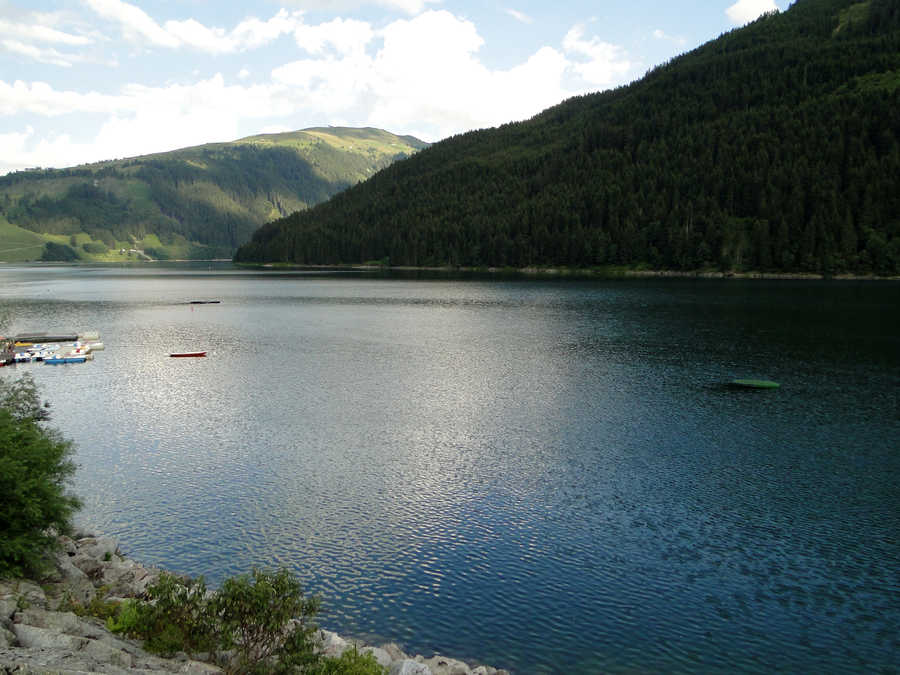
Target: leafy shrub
[(94, 247), (256, 614), (98, 607), (54, 252), (177, 618), (264, 619), (125, 619), (351, 662), (35, 468)]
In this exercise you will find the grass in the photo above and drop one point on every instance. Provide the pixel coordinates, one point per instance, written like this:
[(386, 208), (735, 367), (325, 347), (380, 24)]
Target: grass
[(18, 244)]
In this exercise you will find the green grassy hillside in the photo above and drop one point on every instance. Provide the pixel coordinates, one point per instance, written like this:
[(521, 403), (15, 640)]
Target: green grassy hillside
[(199, 202), (775, 147)]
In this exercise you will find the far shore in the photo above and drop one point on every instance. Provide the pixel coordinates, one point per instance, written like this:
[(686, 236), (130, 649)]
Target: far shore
[(602, 272), (606, 272)]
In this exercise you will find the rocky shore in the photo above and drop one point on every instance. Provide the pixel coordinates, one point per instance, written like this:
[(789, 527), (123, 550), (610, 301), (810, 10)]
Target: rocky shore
[(40, 632)]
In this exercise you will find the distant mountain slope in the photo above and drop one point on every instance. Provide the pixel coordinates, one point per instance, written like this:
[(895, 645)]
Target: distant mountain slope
[(202, 201), (774, 147)]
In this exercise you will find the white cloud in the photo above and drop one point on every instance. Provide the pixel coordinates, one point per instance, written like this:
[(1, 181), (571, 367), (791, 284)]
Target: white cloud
[(426, 78), (32, 35), (40, 54), (39, 98), (134, 21), (411, 7), (662, 35), (134, 120), (40, 33), (343, 36), (519, 16), (251, 33), (421, 75), (275, 129), (602, 63), (745, 11)]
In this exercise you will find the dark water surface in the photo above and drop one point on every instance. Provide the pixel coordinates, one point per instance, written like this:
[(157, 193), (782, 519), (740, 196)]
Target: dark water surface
[(542, 476)]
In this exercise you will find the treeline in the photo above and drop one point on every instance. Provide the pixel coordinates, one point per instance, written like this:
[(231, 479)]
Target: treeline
[(775, 147)]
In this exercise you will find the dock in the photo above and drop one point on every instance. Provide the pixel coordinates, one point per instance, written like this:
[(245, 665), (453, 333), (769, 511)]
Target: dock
[(51, 348)]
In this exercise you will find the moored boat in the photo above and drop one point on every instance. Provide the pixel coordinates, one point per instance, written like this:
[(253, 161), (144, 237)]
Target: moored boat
[(57, 359), (181, 355), (755, 384)]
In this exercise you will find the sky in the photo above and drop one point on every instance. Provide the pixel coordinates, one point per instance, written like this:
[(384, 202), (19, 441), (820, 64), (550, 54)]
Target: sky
[(88, 80)]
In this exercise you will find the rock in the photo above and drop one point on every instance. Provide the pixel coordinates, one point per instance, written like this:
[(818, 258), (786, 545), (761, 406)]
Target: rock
[(62, 622), (384, 659), (77, 583), (102, 548), (441, 665), (332, 643), (26, 594), (32, 637), (7, 638), (103, 651), (88, 564), (126, 578), (394, 650), (484, 670), (199, 668), (409, 667), (67, 545), (8, 607)]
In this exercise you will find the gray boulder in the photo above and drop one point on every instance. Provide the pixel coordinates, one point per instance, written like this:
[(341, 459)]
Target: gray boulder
[(7, 638), (33, 637), (409, 667), (382, 656), (77, 583), (88, 564), (441, 665), (332, 644), (98, 547), (395, 652)]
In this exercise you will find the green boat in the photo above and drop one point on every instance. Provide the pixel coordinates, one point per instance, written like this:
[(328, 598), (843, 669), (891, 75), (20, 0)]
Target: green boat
[(755, 384)]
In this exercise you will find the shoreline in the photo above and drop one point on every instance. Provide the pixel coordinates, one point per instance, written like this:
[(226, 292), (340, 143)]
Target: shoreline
[(47, 624), (611, 272), (604, 272)]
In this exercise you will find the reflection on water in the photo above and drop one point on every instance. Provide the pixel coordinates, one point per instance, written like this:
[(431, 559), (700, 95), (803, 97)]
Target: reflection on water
[(546, 476)]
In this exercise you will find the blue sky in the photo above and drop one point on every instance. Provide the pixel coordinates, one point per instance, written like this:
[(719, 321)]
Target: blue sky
[(86, 80)]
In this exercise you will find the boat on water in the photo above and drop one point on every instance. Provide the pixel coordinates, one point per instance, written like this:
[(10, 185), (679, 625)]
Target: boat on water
[(755, 384), (74, 358), (181, 355)]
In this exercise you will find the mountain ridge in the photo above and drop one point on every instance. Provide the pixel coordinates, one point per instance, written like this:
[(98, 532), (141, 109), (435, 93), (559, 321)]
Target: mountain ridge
[(196, 202), (773, 147)]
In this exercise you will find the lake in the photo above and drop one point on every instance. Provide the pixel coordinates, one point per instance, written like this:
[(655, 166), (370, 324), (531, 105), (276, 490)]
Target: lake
[(545, 476)]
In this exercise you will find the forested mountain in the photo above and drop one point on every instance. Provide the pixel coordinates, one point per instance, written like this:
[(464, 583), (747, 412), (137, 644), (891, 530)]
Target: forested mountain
[(197, 202), (772, 148)]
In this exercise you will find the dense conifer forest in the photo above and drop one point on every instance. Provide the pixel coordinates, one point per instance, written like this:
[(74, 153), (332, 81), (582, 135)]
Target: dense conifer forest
[(196, 202), (775, 147)]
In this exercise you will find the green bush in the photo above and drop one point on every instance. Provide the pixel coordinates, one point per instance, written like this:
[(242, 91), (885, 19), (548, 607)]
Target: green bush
[(351, 662), (54, 252), (178, 617), (35, 468), (125, 619), (254, 613), (94, 247), (263, 619)]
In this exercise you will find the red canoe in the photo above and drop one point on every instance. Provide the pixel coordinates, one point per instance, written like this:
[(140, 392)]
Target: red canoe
[(185, 354)]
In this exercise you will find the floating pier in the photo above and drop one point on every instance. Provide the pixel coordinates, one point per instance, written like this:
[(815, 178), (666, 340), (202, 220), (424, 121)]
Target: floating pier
[(54, 348)]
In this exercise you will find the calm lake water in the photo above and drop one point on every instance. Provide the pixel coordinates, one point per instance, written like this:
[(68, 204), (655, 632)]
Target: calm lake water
[(541, 476)]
